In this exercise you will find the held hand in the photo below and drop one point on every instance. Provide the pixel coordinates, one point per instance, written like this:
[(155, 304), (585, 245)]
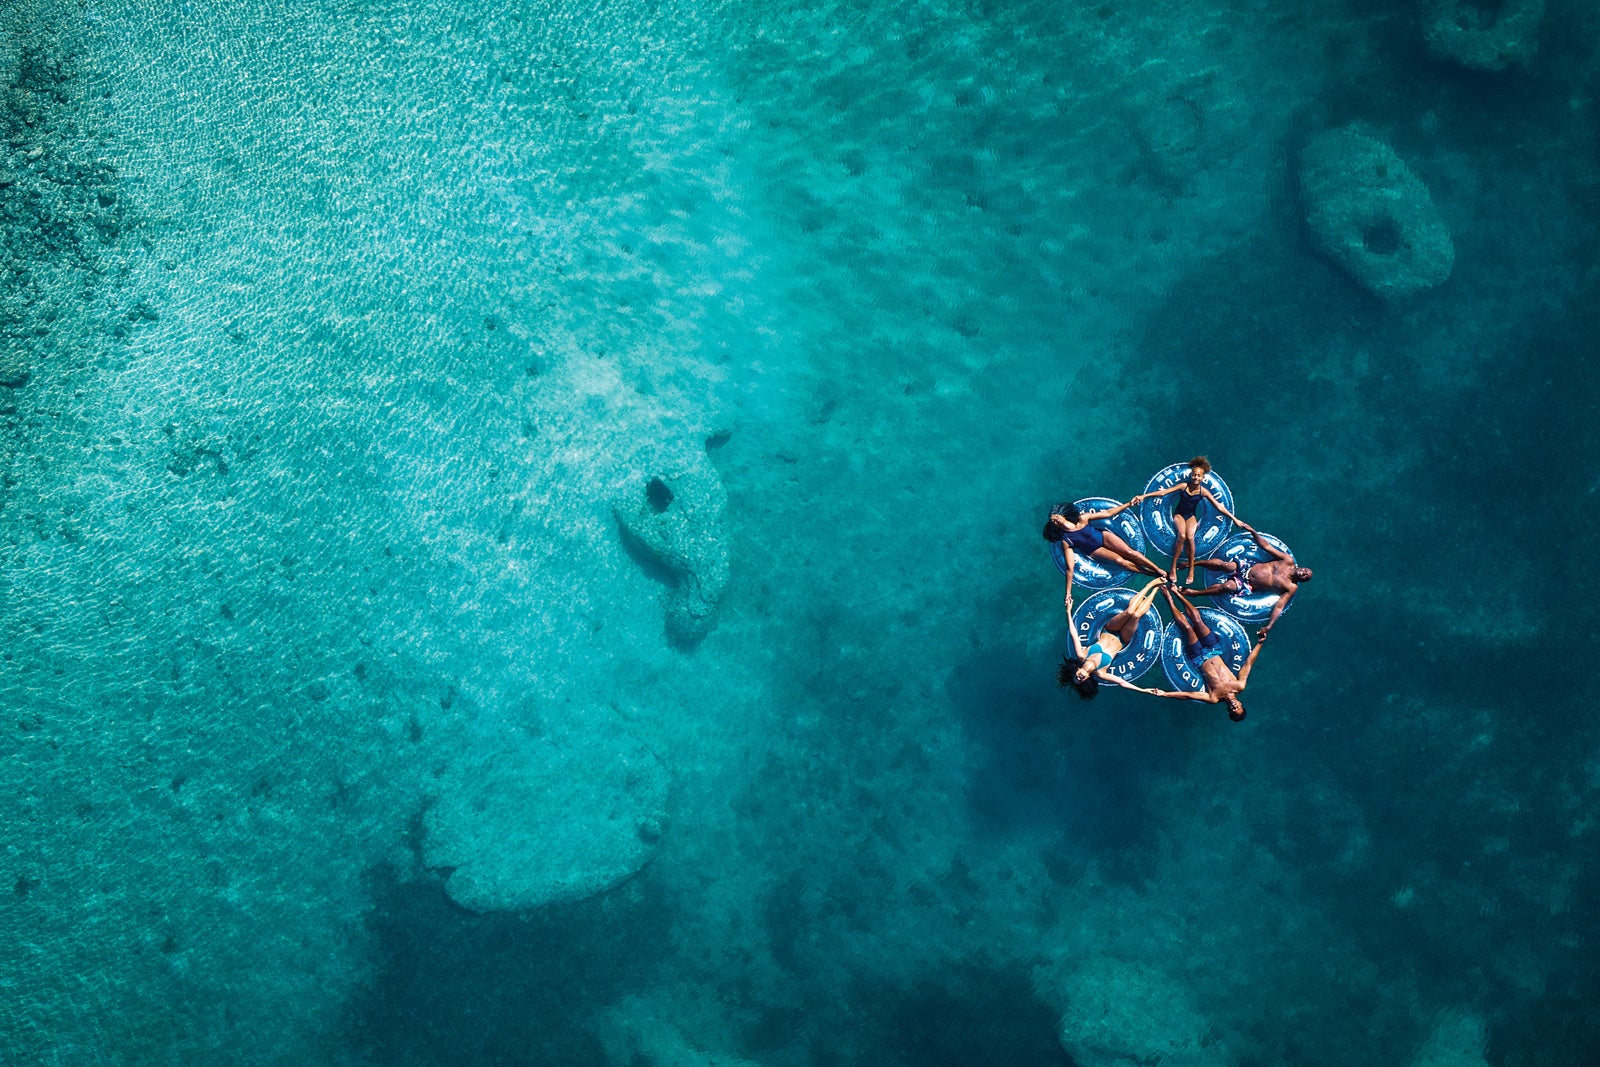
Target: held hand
[(1261, 634)]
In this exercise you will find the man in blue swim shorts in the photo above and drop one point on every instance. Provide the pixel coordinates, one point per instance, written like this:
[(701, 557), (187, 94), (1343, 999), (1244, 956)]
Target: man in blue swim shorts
[(1219, 684)]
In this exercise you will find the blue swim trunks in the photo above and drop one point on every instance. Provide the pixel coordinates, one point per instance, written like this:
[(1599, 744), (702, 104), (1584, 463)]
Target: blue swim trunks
[(1208, 647)]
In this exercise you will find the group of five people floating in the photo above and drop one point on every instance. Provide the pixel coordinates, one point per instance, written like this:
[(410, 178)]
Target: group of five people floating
[(1278, 573)]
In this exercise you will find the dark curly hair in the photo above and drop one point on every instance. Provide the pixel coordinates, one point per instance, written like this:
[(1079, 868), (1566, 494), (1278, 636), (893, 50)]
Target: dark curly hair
[(1068, 511), (1088, 689)]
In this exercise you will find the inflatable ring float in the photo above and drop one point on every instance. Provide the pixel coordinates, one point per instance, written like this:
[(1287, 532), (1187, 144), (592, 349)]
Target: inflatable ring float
[(1091, 573), (1132, 662), (1156, 515), (1241, 548), (1182, 671)]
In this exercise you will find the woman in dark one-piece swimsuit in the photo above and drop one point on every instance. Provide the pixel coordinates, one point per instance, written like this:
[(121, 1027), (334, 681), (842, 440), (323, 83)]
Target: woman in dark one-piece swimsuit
[(1071, 527), (1185, 521)]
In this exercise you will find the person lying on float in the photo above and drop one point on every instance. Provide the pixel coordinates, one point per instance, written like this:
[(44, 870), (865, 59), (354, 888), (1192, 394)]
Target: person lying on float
[(1204, 649), (1280, 574), (1071, 528), (1185, 521), (1089, 666)]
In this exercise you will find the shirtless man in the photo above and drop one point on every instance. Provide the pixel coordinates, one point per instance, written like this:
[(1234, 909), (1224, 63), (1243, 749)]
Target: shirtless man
[(1280, 574), (1203, 647)]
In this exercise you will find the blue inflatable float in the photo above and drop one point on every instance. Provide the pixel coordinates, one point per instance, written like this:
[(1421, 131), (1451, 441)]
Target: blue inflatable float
[(1156, 515), (1133, 661), (1091, 573), (1181, 670), (1242, 548), (1149, 527)]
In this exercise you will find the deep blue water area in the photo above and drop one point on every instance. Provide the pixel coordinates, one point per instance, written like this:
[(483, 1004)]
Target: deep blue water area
[(520, 531)]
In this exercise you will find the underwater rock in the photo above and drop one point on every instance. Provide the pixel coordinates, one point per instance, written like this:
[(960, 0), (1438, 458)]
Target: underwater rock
[(1458, 1040), (1371, 215), (538, 818), (1483, 34), (674, 516), (1120, 1015), (632, 1034)]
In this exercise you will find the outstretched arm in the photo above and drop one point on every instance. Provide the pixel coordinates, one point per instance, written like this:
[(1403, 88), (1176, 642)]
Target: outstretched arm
[(1277, 609), (1116, 680), (1268, 547), (1202, 696), (1159, 492), (1218, 505), (1090, 516), (1077, 644), (1250, 661)]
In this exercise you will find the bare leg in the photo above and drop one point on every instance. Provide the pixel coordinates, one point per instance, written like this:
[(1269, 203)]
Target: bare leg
[(1190, 542), (1183, 535), (1199, 626), (1226, 587), (1140, 604), (1178, 617), (1130, 557), (1125, 623)]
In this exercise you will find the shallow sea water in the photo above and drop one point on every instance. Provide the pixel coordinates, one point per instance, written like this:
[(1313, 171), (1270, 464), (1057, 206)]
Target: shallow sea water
[(342, 340)]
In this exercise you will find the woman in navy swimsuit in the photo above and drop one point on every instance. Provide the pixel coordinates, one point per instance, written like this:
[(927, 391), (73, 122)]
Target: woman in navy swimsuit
[(1184, 520), (1071, 527)]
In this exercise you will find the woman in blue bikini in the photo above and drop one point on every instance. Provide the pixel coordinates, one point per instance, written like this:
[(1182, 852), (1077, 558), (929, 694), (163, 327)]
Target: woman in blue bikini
[(1090, 666), (1185, 521), (1071, 527)]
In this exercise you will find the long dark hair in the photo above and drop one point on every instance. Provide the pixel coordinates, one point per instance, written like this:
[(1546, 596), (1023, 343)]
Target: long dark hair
[(1068, 511), (1088, 689)]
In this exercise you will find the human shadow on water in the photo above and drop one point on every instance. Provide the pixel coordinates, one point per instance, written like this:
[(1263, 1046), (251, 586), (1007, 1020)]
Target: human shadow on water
[(1043, 759)]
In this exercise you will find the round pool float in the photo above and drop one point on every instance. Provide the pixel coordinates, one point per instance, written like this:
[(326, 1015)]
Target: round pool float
[(1091, 573), (1140, 655), (1156, 515), (1181, 670)]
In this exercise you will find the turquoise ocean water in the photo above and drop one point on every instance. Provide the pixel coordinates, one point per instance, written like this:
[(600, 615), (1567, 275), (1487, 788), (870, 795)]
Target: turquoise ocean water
[(520, 530)]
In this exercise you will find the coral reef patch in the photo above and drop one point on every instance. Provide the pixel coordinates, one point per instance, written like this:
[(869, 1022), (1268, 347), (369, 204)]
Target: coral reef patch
[(1483, 35), (1370, 214), (552, 814), (673, 515)]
